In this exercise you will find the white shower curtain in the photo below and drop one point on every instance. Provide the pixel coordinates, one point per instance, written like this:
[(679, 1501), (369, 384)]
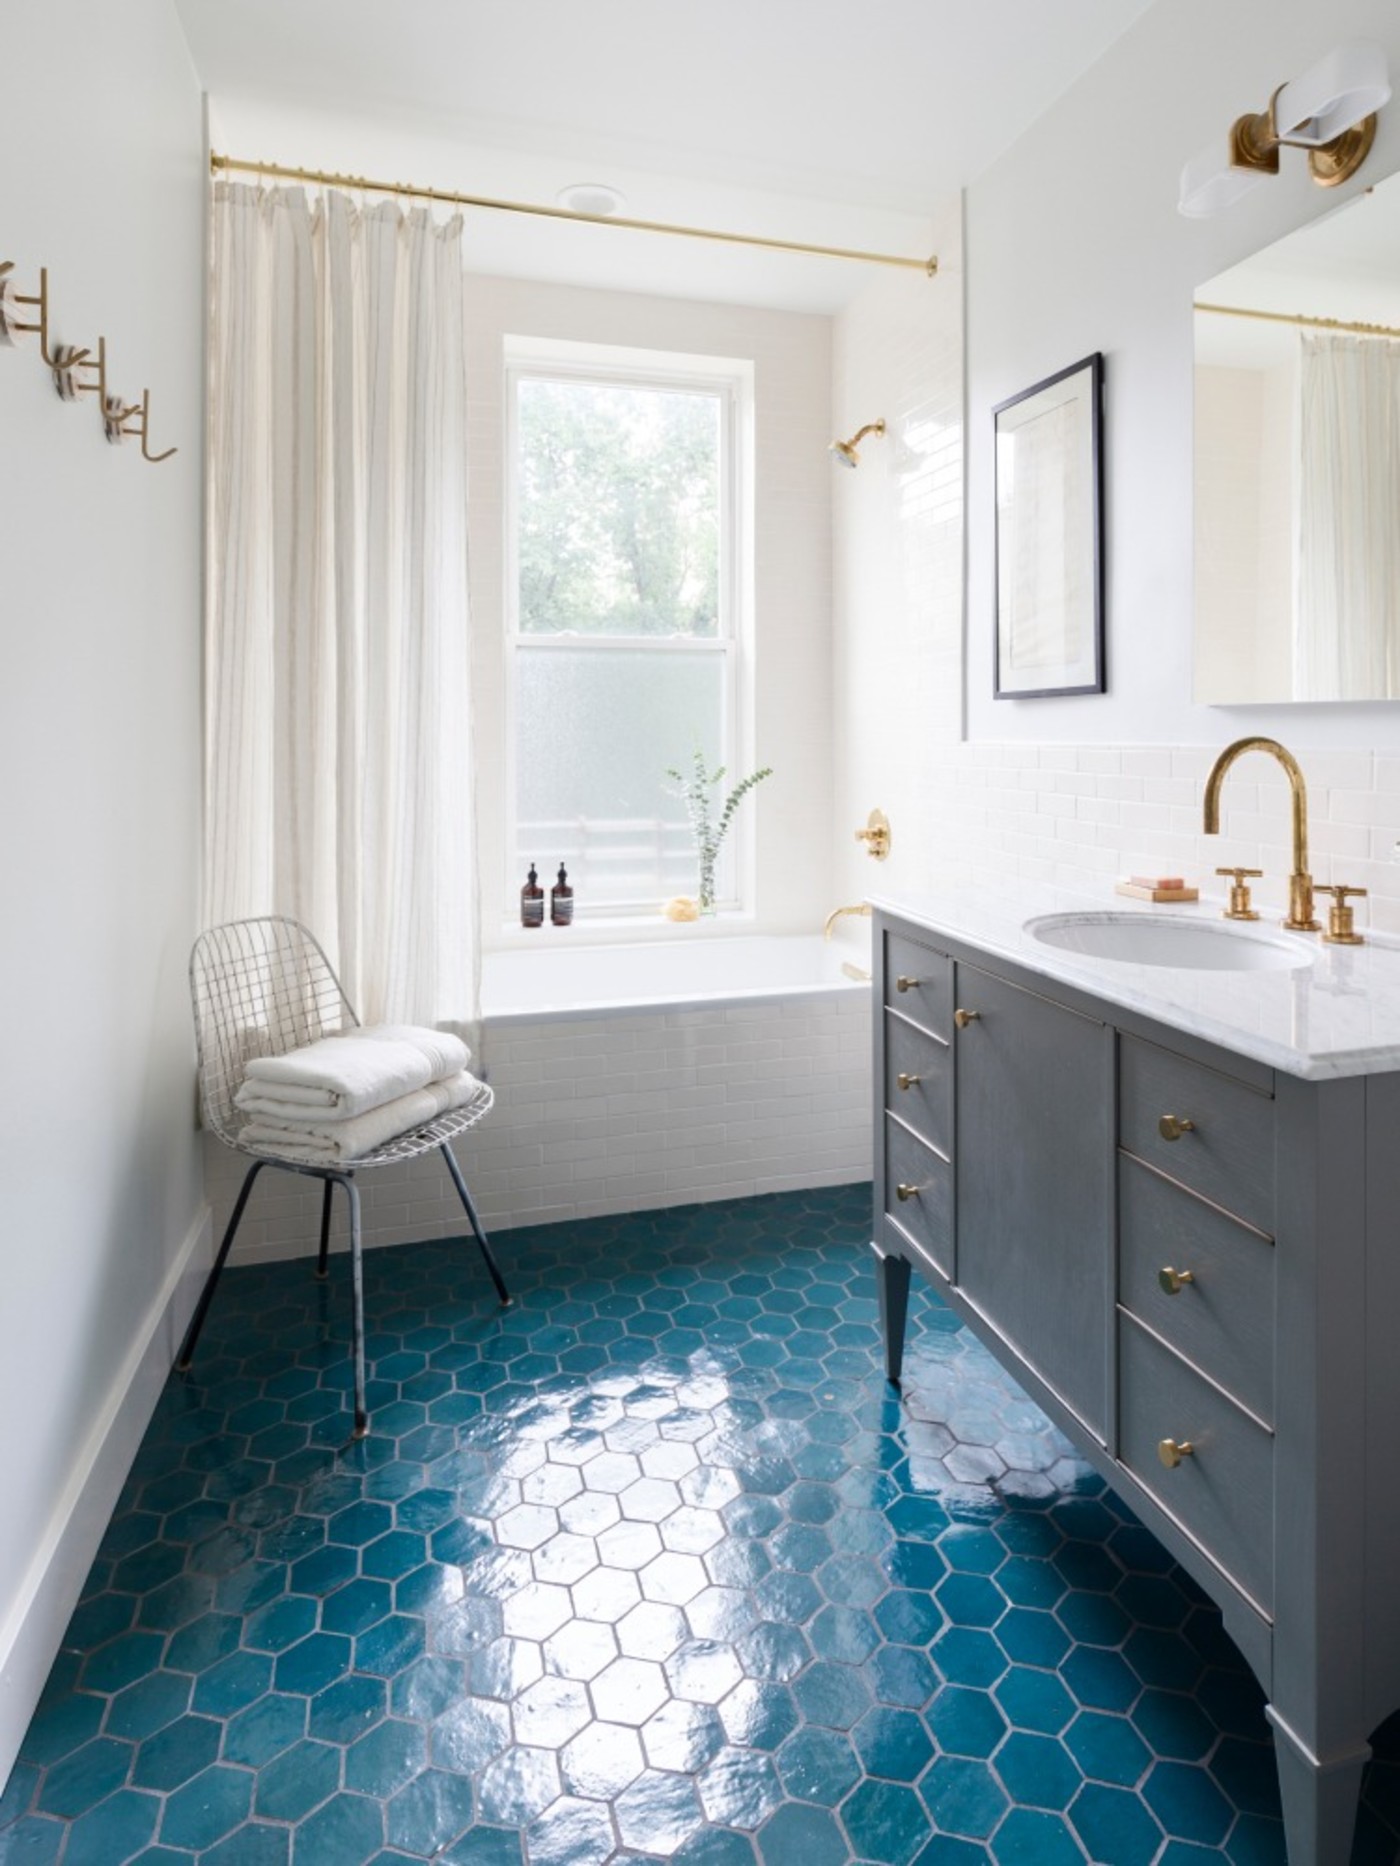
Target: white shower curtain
[(339, 776), (1347, 612)]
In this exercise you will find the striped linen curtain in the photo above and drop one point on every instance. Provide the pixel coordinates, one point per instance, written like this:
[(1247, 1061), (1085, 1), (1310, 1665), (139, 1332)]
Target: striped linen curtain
[(338, 709)]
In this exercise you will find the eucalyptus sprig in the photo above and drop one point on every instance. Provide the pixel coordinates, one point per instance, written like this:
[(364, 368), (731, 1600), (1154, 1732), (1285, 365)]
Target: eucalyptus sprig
[(695, 792)]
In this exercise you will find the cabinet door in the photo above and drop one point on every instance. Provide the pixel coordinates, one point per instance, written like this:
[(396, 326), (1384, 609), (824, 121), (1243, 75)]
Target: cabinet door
[(1034, 1172)]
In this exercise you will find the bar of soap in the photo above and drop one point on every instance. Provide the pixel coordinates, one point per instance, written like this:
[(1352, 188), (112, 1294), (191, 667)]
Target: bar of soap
[(1157, 881)]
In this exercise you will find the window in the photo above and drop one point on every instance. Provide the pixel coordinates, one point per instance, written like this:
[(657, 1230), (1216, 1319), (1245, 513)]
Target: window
[(624, 590)]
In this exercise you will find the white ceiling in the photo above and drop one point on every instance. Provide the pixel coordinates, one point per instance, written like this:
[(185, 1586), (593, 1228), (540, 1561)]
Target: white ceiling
[(880, 111)]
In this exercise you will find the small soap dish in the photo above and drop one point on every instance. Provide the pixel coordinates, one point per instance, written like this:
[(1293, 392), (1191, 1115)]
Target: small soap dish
[(1141, 889)]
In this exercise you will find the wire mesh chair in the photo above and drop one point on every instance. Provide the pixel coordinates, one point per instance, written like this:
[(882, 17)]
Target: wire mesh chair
[(261, 988)]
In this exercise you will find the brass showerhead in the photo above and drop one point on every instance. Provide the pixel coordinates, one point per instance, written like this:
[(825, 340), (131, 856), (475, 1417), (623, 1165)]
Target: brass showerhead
[(845, 451)]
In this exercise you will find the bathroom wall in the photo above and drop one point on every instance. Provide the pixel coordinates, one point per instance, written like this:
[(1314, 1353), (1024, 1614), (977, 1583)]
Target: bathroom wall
[(1074, 244), (898, 564), (790, 667), (101, 147)]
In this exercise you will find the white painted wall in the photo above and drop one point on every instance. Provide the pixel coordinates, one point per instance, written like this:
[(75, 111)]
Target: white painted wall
[(101, 147), (898, 569), (791, 662), (1074, 244)]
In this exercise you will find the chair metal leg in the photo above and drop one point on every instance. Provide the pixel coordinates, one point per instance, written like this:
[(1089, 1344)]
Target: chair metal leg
[(192, 1333), (327, 1191), (357, 1284), (480, 1235)]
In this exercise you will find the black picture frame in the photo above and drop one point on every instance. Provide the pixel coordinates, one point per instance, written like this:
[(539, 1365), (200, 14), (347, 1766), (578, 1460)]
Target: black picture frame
[(1049, 555)]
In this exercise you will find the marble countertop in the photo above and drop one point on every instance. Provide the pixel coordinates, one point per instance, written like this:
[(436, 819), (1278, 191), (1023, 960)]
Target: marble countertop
[(1337, 1015)]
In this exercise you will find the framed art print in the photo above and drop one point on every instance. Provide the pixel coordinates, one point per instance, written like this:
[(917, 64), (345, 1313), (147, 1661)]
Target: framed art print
[(1049, 536)]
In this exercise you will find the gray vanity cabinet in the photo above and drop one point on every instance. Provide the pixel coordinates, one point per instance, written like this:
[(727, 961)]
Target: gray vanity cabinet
[(1033, 1154), (1192, 1261)]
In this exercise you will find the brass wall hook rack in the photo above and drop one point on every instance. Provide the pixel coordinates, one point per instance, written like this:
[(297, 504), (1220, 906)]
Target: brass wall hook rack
[(131, 421), (11, 326), (72, 368)]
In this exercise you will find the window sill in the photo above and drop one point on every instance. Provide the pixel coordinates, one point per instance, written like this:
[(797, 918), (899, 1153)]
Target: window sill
[(622, 930)]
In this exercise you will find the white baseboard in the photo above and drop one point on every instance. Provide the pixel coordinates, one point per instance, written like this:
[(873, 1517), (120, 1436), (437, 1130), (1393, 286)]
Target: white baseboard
[(33, 1625)]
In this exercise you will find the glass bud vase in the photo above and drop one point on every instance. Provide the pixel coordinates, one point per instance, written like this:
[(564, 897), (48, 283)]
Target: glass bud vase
[(706, 898)]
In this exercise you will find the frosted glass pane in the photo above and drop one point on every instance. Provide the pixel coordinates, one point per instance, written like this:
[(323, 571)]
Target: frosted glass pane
[(618, 506), (596, 729)]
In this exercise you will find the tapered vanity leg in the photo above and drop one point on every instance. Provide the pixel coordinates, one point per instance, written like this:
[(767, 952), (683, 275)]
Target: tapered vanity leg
[(1320, 1800), (894, 1307)]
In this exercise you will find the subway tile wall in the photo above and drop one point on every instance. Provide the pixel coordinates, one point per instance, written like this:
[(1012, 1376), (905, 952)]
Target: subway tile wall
[(1083, 816), (599, 1114)]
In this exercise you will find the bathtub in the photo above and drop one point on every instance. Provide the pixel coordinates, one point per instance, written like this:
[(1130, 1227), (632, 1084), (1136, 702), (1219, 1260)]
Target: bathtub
[(562, 981), (626, 1078)]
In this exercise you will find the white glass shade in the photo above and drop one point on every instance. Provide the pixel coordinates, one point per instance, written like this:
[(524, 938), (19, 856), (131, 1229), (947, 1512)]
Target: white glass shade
[(1209, 184), (1337, 92)]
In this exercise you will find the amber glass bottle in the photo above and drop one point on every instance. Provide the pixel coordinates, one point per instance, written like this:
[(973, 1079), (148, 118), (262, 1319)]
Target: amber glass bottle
[(532, 901), (561, 900)]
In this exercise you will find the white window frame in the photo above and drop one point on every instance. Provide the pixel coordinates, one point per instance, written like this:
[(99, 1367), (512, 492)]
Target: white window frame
[(730, 380)]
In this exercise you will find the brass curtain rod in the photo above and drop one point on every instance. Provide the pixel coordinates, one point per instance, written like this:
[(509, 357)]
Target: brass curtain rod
[(230, 165), (1310, 323)]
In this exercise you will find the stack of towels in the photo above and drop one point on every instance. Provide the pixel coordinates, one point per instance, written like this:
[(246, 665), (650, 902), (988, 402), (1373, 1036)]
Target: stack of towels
[(341, 1098)]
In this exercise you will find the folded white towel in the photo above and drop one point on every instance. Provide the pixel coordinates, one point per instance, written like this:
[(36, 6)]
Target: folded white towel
[(344, 1075), (316, 1141)]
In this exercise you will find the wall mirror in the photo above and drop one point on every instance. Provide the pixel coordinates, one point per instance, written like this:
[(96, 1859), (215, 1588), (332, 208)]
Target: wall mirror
[(1297, 465)]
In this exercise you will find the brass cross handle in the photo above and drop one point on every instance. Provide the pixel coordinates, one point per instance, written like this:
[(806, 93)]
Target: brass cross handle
[(1172, 1282), (1173, 1126), (904, 1193), (963, 1018), (1240, 907), (905, 984), (907, 1082), (1171, 1451)]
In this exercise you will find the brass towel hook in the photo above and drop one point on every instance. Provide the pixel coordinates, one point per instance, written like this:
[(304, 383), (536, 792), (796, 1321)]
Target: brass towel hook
[(123, 420), (10, 325), (72, 367)]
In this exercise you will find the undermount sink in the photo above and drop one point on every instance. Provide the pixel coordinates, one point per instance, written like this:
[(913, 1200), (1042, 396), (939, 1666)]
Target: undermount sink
[(1153, 939)]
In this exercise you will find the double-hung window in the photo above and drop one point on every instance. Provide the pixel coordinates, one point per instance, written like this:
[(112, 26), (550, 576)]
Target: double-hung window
[(626, 547)]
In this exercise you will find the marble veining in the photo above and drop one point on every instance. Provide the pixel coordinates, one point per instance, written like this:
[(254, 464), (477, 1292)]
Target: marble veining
[(1337, 1015)]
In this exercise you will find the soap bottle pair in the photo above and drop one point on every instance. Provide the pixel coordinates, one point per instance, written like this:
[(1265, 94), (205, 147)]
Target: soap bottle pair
[(561, 901)]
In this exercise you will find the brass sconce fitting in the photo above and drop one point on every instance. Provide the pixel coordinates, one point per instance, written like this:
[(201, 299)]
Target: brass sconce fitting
[(876, 836), (1330, 110)]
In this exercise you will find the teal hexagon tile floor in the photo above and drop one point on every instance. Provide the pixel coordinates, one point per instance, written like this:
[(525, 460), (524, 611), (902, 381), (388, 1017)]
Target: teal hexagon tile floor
[(652, 1566)]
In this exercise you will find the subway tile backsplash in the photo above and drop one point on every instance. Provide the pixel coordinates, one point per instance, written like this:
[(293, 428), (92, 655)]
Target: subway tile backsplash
[(1083, 816)]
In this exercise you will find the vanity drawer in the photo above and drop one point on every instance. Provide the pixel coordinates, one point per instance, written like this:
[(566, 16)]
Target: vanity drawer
[(919, 984), (1222, 1320), (1227, 1153), (925, 1213), (1222, 1493), (919, 1081)]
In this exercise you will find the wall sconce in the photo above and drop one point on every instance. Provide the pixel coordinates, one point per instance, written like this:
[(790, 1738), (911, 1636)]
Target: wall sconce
[(845, 451), (1329, 111)]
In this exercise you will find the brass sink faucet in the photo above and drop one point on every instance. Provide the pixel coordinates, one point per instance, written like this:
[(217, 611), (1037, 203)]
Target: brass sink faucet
[(1301, 917)]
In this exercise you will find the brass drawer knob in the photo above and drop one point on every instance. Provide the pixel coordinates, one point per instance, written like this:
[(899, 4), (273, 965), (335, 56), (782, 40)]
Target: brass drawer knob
[(1173, 1126), (1171, 1451), (907, 1082), (905, 984), (904, 1193), (1172, 1282), (963, 1018)]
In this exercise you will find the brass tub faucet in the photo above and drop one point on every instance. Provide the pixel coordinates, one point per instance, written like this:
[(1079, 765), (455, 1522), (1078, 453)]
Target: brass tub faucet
[(862, 911), (1301, 917)]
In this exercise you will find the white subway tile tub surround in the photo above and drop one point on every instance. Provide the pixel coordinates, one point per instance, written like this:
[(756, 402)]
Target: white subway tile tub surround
[(755, 1083), (1083, 816)]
